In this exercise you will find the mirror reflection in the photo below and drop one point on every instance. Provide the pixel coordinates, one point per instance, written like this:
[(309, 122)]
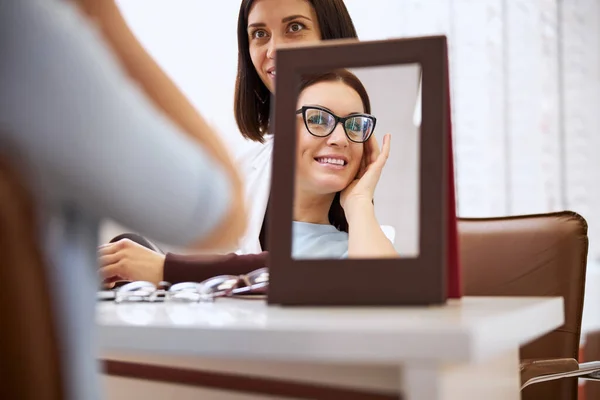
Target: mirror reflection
[(357, 166)]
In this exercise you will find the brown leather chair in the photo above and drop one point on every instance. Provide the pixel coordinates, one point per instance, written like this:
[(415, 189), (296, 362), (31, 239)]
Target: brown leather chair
[(29, 356), (591, 351), (534, 255)]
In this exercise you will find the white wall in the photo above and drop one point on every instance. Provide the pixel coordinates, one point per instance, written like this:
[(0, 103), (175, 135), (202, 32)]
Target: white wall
[(393, 94), (196, 45), (525, 88)]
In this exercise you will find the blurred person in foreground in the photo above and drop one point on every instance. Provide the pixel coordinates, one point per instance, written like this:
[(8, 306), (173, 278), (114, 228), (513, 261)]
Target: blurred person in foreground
[(97, 131)]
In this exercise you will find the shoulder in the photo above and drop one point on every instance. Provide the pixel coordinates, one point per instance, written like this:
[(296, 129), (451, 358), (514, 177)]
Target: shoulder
[(318, 241), (255, 153), (321, 232)]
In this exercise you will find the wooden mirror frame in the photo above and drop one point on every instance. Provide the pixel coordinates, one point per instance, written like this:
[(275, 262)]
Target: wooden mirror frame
[(417, 280)]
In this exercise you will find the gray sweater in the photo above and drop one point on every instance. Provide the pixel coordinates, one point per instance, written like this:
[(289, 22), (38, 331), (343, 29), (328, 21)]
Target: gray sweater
[(91, 146)]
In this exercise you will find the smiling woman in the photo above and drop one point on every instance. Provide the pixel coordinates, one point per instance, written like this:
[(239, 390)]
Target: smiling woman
[(323, 95), (338, 165), (272, 23)]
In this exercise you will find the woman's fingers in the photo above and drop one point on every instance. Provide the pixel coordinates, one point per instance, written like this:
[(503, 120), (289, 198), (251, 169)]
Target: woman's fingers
[(128, 260), (374, 153), (112, 248), (363, 166), (385, 153), (107, 285), (370, 154), (382, 156), (107, 249), (368, 149), (109, 259), (111, 272), (112, 253)]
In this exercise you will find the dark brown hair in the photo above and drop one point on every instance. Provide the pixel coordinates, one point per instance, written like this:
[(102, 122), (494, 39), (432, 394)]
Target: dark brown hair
[(337, 217), (252, 98)]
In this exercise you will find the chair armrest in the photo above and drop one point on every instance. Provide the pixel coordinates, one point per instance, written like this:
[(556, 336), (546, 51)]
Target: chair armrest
[(535, 371), (533, 368)]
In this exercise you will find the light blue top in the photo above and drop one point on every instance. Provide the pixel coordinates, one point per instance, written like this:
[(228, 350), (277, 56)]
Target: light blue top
[(92, 147), (318, 241)]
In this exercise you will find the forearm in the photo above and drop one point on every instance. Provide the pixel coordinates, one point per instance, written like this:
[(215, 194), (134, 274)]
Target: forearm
[(157, 85), (366, 239), (167, 97), (184, 268)]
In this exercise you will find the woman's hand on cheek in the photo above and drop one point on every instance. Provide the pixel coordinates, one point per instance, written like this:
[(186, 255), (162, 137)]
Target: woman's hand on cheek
[(363, 188), (127, 260), (370, 153)]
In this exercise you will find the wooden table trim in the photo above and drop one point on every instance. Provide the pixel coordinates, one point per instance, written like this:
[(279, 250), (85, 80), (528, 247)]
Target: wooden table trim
[(236, 382)]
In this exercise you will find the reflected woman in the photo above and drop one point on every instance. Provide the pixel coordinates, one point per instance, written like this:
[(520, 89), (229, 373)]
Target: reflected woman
[(338, 165)]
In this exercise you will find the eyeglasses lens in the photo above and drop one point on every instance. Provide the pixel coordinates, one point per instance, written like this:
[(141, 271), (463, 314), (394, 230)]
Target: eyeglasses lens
[(319, 122), (359, 128)]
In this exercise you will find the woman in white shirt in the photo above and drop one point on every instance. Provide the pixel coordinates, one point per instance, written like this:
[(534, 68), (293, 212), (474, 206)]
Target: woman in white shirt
[(263, 25)]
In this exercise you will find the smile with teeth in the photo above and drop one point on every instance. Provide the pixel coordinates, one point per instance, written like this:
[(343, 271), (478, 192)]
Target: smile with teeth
[(271, 73), (328, 160)]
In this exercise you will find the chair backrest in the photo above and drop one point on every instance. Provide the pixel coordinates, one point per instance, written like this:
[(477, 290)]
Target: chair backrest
[(531, 255), (30, 366)]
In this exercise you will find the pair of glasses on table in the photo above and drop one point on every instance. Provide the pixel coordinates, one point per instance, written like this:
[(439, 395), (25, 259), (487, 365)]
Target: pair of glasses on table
[(252, 285)]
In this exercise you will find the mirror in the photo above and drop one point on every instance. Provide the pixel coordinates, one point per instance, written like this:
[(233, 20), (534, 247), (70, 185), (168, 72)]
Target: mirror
[(321, 128), (342, 117)]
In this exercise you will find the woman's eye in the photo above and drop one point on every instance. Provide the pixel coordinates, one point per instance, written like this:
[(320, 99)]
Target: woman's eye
[(296, 27), (259, 34)]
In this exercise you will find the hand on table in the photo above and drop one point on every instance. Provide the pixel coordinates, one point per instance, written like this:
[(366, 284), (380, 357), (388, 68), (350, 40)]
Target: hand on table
[(127, 260)]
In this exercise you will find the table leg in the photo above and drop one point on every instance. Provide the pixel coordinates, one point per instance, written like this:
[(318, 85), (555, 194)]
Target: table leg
[(497, 378)]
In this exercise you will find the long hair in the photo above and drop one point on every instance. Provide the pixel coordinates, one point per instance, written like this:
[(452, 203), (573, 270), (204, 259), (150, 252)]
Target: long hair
[(252, 98), (337, 217)]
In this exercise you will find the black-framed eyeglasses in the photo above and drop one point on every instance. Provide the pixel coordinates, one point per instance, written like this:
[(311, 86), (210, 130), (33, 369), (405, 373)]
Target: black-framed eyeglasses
[(321, 122)]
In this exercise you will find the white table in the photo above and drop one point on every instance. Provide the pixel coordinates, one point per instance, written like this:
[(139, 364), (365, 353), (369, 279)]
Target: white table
[(466, 349)]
